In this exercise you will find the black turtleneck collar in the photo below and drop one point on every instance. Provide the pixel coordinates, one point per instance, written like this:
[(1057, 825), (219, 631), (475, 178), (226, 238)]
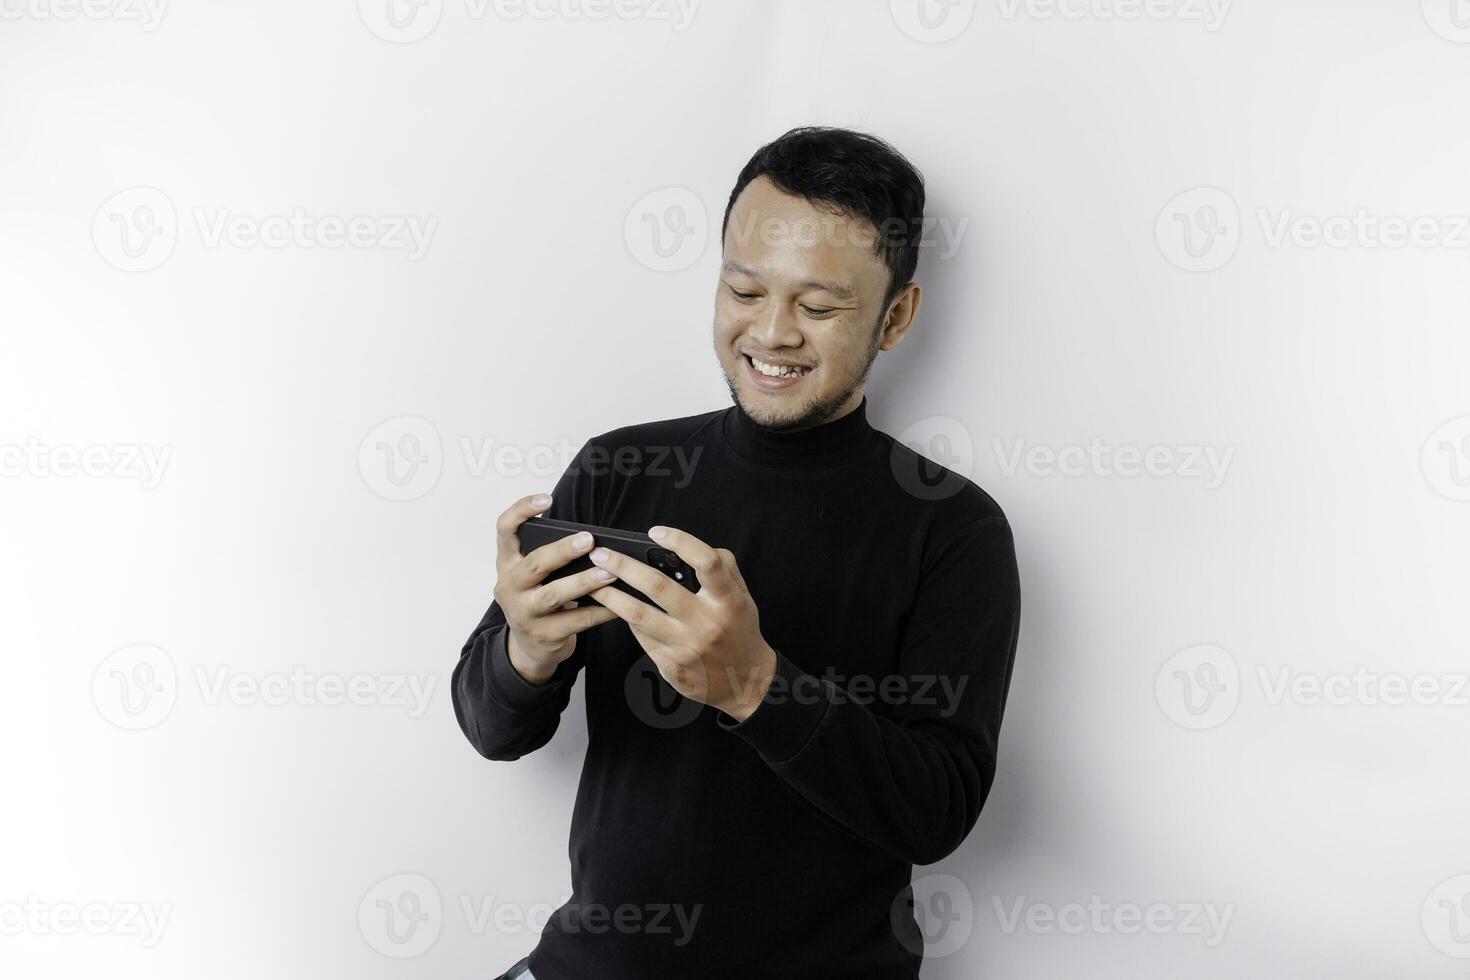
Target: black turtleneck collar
[(818, 447)]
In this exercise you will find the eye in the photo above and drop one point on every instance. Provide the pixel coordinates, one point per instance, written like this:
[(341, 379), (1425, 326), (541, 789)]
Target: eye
[(740, 295), (815, 312)]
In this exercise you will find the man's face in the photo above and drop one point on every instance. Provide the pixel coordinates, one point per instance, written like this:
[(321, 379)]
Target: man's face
[(800, 287)]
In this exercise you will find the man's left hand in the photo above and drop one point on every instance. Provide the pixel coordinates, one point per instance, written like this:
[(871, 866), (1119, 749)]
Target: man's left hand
[(706, 644)]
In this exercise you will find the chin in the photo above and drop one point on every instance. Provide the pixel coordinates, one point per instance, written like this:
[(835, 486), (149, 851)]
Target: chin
[(760, 407)]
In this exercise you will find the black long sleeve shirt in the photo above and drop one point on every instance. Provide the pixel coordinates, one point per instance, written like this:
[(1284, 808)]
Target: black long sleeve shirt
[(782, 846)]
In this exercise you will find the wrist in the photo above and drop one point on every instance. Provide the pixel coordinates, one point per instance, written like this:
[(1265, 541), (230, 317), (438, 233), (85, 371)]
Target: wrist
[(752, 693), (531, 672)]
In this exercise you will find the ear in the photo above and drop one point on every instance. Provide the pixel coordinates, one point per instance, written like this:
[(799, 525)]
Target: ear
[(901, 314)]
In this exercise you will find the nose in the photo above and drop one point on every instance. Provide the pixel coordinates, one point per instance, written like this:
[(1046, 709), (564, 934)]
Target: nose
[(777, 329)]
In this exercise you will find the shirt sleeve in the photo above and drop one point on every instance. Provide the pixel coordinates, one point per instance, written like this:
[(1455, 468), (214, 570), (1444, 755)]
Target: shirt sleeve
[(907, 768), (503, 715)]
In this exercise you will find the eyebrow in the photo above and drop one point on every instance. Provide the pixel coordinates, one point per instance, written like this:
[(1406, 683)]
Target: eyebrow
[(837, 289)]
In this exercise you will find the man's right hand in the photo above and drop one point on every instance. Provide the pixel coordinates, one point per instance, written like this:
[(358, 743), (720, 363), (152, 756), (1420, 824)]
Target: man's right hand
[(543, 619)]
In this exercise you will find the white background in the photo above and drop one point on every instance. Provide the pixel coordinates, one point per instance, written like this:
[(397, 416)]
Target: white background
[(1056, 142)]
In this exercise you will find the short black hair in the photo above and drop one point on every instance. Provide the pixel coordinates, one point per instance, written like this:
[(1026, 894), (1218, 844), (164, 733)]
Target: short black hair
[(854, 174)]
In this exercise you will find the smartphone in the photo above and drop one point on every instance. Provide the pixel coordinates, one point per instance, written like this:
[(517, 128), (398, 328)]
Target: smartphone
[(538, 531)]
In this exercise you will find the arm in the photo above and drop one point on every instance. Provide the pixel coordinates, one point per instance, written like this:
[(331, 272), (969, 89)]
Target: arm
[(912, 779), (503, 714)]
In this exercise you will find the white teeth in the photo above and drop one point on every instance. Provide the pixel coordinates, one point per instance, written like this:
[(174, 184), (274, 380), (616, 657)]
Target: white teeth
[(774, 371)]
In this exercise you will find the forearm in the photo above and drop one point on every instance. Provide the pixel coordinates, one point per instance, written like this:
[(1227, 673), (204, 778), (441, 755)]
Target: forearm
[(907, 762), (914, 789), (503, 714), (502, 706)]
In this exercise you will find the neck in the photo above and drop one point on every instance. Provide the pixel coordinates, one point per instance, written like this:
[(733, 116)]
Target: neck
[(825, 444)]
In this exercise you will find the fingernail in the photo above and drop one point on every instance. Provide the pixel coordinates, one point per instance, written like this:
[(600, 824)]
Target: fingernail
[(657, 532), (582, 540), (603, 575), (541, 500), (600, 555)]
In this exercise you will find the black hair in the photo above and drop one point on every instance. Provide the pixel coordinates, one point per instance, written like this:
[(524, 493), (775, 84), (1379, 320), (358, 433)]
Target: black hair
[(854, 174)]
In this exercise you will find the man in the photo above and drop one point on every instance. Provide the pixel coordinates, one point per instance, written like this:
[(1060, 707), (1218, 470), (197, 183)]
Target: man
[(841, 673)]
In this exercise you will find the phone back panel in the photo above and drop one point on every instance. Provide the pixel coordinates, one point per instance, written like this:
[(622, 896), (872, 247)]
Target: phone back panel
[(538, 531)]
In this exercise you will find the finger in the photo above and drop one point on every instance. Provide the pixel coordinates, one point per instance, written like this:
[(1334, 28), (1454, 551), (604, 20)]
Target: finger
[(507, 542), (555, 593), (638, 615), (707, 563), (733, 568), (560, 625), (533, 568), (666, 593)]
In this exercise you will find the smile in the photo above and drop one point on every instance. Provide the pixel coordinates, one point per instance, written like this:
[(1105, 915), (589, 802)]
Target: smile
[(774, 375)]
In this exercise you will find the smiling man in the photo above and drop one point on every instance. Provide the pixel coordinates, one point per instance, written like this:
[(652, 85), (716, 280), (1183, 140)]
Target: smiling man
[(769, 757)]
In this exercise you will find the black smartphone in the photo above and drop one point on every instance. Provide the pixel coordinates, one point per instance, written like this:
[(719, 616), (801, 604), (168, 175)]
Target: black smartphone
[(538, 531)]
